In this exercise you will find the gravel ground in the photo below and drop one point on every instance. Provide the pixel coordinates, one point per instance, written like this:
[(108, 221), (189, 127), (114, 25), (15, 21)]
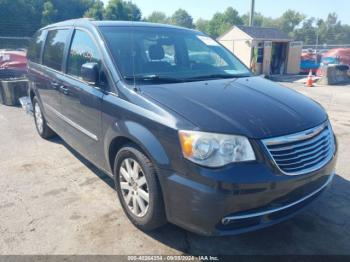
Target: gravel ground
[(52, 201)]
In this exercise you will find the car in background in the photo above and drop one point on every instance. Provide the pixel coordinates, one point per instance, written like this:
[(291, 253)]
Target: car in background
[(13, 59), (13, 63), (310, 60), (336, 56)]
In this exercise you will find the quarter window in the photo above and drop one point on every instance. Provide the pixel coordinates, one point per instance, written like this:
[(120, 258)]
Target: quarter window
[(83, 50), (54, 48)]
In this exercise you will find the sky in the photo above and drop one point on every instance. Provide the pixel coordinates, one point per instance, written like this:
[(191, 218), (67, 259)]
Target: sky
[(206, 8)]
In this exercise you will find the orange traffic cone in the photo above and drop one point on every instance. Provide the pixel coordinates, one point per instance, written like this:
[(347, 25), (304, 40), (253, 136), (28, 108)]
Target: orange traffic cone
[(310, 81)]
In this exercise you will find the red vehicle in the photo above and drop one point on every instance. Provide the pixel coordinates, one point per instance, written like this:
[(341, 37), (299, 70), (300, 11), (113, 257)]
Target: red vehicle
[(310, 60), (13, 59), (336, 56)]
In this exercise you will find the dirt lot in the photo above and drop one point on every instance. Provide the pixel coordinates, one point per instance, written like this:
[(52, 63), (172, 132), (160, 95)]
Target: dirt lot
[(54, 202)]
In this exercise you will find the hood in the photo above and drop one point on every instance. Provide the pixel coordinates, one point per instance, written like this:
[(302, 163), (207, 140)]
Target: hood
[(252, 106)]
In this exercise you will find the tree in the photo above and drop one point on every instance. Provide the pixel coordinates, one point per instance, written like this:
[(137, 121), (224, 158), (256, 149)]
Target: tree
[(328, 31), (331, 31), (122, 10), (157, 17), (49, 13), (307, 33), (20, 17), (24, 17), (222, 22), (260, 20), (134, 13), (182, 18), (203, 25), (290, 20), (95, 11), (58, 10)]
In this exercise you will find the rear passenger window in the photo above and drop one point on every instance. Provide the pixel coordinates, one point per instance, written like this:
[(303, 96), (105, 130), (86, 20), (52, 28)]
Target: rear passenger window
[(34, 50), (83, 50), (54, 48)]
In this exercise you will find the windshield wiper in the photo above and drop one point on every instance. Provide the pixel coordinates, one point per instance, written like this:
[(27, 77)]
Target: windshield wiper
[(153, 78), (217, 76)]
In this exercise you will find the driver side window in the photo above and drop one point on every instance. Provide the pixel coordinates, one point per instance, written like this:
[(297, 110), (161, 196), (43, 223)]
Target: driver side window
[(83, 50)]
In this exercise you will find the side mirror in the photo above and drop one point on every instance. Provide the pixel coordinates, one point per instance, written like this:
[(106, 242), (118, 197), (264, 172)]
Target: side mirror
[(90, 73)]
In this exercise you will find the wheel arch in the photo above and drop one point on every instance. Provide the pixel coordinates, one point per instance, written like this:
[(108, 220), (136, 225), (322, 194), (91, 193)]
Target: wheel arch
[(116, 144), (143, 139)]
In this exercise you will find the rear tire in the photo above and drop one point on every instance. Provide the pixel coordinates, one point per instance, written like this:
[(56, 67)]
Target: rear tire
[(138, 189), (40, 122)]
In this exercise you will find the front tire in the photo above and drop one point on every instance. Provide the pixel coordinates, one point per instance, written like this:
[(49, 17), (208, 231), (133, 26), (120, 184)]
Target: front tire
[(40, 122), (138, 189)]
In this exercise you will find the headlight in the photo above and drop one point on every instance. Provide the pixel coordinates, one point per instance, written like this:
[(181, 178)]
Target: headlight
[(215, 150)]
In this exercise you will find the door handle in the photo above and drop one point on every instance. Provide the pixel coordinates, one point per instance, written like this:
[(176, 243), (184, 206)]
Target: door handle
[(64, 90)]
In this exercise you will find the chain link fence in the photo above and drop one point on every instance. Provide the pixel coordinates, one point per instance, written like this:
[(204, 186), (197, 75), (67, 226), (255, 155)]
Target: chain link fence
[(325, 46), (11, 42)]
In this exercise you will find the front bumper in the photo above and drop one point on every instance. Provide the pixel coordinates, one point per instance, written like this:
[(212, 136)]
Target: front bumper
[(239, 198)]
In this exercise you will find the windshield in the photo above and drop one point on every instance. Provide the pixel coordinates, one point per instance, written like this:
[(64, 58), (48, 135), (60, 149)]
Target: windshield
[(155, 54)]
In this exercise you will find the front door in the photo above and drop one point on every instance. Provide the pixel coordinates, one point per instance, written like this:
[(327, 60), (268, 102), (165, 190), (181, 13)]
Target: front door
[(81, 102)]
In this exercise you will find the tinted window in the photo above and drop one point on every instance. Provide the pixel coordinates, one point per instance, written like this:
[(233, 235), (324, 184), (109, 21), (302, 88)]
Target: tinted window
[(151, 44), (54, 48), (200, 53), (154, 53), (83, 50), (34, 50)]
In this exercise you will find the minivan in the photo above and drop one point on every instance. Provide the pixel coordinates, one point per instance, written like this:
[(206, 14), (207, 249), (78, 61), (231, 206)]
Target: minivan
[(188, 133)]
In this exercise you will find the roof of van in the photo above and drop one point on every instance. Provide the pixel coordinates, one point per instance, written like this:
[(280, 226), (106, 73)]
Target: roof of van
[(80, 21)]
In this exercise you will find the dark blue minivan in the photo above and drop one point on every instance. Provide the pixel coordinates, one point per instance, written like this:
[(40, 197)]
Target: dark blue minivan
[(189, 135)]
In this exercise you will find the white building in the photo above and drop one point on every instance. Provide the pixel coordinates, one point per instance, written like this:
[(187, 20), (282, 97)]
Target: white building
[(264, 50)]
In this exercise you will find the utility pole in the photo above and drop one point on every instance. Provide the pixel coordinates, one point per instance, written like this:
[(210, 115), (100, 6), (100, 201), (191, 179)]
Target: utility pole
[(252, 10), (317, 39)]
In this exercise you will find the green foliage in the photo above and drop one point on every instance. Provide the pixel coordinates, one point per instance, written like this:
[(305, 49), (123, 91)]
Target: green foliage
[(24, 17), (307, 32), (49, 12), (182, 18), (20, 17), (95, 11), (222, 22), (260, 20), (58, 10), (157, 17), (289, 21), (329, 31), (122, 10), (203, 25)]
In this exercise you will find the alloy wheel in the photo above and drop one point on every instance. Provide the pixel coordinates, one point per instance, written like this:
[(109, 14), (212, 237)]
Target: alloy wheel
[(134, 187), (39, 121)]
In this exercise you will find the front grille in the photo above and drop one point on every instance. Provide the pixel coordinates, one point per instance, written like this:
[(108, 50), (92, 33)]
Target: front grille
[(303, 152)]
